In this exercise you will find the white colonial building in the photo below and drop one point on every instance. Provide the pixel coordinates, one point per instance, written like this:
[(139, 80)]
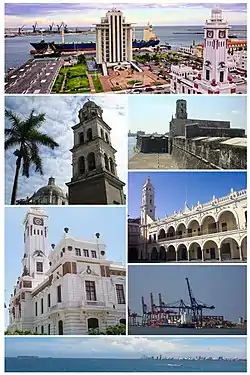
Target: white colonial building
[(70, 290), (214, 77), (113, 39), (212, 231)]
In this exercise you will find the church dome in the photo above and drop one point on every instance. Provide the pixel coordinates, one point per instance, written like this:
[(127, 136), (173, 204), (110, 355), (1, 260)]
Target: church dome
[(90, 104), (45, 193)]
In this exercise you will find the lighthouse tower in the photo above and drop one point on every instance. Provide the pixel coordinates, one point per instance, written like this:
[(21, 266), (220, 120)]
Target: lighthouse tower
[(214, 78)]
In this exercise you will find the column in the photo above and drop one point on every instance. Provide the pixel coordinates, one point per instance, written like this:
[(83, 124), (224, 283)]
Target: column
[(241, 252), (202, 255), (188, 254), (176, 255), (219, 251)]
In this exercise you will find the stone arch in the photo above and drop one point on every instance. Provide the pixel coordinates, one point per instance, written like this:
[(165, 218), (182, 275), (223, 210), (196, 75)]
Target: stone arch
[(122, 321), (195, 252), (171, 232), (91, 161), (81, 138), (182, 252), (81, 165), (209, 224), (161, 234), (89, 134), (243, 245), (106, 137), (162, 253), (229, 249), (93, 323), (193, 228), (171, 254), (112, 166), (106, 162), (181, 230), (102, 134), (133, 254), (210, 250), (60, 327), (227, 220), (154, 254)]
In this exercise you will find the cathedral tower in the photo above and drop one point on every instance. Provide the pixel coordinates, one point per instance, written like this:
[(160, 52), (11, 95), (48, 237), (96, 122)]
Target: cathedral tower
[(95, 179)]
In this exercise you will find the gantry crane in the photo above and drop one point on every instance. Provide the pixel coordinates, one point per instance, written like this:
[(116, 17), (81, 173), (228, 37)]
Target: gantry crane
[(51, 27), (34, 27), (20, 29), (60, 26)]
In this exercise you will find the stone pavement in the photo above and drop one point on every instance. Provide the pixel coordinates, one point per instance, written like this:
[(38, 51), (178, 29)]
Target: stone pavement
[(152, 161)]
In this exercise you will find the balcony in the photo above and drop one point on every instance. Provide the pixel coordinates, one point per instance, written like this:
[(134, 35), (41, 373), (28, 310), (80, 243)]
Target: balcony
[(194, 234), (95, 303)]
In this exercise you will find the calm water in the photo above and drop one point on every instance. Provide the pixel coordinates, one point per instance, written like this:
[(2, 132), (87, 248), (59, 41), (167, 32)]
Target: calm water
[(134, 330), (118, 365), (17, 49), (131, 145)]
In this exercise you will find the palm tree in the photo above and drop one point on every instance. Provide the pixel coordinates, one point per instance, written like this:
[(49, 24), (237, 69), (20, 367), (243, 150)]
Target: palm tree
[(25, 135)]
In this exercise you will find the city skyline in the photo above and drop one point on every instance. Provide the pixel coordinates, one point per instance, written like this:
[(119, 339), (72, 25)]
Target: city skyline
[(156, 13), (225, 108), (61, 115), (95, 220), (226, 289), (124, 347)]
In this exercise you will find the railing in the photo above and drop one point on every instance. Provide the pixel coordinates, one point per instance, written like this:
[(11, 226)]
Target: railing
[(196, 234), (95, 303)]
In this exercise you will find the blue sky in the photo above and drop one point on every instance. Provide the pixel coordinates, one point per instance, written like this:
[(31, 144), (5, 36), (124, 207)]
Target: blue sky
[(123, 347), (221, 286), (61, 114), (172, 189), (162, 107), (83, 223), (88, 14)]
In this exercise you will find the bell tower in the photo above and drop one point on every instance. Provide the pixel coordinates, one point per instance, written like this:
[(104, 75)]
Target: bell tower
[(148, 201), (95, 179), (181, 109), (35, 260)]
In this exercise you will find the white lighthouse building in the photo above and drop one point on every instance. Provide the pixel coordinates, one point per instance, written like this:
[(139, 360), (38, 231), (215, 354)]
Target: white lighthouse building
[(69, 291), (214, 77)]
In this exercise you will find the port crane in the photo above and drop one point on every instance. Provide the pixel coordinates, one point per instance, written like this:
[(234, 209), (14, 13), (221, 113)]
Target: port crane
[(34, 27), (20, 29), (60, 26), (197, 307), (51, 27), (160, 312)]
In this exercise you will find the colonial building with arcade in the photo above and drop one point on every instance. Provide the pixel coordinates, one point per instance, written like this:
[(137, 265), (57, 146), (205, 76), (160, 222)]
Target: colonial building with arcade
[(69, 290), (217, 75), (215, 231)]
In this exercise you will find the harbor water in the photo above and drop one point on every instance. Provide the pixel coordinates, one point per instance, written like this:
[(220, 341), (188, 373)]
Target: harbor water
[(136, 330), (120, 365), (17, 49)]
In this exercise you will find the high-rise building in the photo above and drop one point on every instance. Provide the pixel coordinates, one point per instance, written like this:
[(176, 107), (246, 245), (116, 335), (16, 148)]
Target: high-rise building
[(113, 39), (95, 179)]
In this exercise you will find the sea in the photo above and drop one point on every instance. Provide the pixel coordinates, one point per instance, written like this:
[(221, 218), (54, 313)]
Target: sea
[(17, 49), (131, 146), (147, 331), (119, 365)]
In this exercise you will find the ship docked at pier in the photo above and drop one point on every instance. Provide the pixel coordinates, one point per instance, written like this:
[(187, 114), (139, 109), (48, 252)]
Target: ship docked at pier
[(149, 40)]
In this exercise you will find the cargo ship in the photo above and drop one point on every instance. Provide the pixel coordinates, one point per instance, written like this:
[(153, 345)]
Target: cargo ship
[(149, 40)]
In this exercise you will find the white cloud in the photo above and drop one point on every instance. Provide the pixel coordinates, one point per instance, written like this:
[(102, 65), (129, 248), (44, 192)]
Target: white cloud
[(61, 115)]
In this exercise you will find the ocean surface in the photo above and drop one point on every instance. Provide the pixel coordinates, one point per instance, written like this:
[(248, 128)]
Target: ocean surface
[(131, 145), (137, 331), (119, 365), (17, 49)]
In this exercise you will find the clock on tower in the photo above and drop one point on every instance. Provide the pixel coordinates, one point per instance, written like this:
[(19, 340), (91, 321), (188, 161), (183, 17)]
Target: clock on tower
[(210, 34), (37, 221), (222, 34)]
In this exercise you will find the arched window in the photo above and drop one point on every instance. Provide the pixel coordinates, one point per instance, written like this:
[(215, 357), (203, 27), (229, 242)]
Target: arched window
[(91, 161), (60, 327), (89, 134), (102, 134), (106, 137), (106, 161), (93, 323), (111, 164), (81, 138), (81, 165)]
